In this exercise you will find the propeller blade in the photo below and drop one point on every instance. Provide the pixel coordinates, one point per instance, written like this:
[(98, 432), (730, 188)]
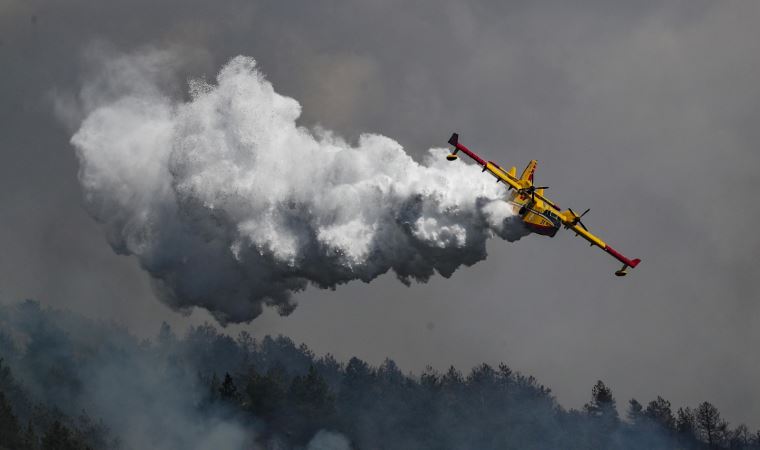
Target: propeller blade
[(577, 219)]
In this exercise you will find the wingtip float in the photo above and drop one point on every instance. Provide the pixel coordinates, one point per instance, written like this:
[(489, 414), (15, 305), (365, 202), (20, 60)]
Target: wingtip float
[(540, 215)]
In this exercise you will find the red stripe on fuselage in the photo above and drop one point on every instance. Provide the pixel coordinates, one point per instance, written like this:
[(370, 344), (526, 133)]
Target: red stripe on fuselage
[(471, 154)]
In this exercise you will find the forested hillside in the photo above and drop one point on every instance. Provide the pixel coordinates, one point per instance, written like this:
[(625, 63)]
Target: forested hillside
[(67, 382)]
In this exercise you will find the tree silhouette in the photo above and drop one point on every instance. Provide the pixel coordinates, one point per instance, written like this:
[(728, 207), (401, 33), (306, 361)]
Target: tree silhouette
[(284, 395), (602, 404), (709, 425), (602, 411), (635, 413), (29, 439), (59, 437), (228, 391), (659, 411), (685, 421), (311, 404), (740, 438), (10, 432), (311, 392), (264, 394)]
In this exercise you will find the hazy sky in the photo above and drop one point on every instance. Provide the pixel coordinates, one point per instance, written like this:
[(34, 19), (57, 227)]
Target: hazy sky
[(646, 112)]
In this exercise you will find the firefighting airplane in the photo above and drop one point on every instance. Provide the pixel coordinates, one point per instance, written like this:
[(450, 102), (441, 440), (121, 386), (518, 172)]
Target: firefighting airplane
[(540, 215)]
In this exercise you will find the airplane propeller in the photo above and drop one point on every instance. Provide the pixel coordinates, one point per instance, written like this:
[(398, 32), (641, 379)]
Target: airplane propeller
[(577, 219), (532, 191)]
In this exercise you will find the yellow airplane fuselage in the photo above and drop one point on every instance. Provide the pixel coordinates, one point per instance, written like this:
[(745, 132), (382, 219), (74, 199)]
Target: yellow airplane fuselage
[(538, 215)]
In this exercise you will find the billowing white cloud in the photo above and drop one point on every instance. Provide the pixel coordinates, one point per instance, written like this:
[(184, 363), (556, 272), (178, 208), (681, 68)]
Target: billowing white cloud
[(229, 204)]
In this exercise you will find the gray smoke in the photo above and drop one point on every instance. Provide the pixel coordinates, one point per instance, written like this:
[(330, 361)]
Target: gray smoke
[(230, 205), (147, 395), (327, 440), (146, 400)]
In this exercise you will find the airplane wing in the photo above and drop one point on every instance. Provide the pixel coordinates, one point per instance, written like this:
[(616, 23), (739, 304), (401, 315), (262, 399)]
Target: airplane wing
[(572, 221), (509, 177)]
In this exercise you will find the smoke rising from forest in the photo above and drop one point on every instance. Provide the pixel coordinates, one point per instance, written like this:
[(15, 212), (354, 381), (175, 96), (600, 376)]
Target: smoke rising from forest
[(70, 382), (230, 205), (117, 392)]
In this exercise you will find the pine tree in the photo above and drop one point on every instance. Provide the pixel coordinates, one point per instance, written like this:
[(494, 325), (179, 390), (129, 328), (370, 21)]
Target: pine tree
[(685, 421), (635, 411), (264, 394), (602, 403), (10, 431), (659, 412), (710, 426), (740, 438), (166, 336), (452, 380), (603, 414), (29, 439), (686, 432), (311, 405), (59, 437), (311, 393), (228, 391)]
